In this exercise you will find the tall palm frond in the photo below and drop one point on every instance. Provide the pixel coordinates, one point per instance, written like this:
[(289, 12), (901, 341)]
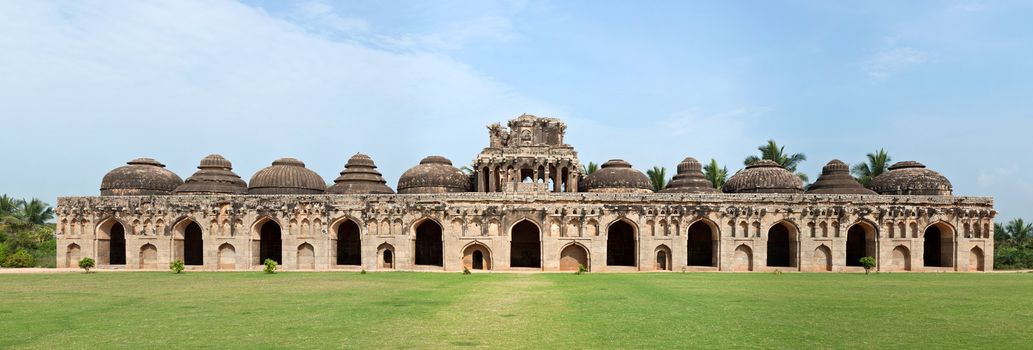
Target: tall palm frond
[(877, 164), (588, 169), (715, 174), (657, 178), (36, 212)]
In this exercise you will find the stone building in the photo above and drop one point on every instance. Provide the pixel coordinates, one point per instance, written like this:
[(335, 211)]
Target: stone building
[(525, 206)]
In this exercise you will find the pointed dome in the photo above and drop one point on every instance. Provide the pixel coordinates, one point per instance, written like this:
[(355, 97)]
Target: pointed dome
[(616, 176), (214, 175), (435, 174), (911, 178), (835, 179), (286, 176), (140, 177), (689, 179), (764, 176), (360, 176)]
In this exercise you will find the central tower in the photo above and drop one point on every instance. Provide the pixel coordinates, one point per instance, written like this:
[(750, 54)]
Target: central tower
[(528, 156)]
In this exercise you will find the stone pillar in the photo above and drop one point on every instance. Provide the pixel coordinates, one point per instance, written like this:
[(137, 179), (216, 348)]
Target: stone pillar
[(493, 175)]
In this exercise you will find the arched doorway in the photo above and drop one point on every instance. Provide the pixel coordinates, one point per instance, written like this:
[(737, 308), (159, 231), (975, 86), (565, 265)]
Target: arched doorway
[(148, 256), (860, 242), (306, 257), (349, 243), (428, 243), (385, 256), (900, 259), (117, 244), (573, 256), (72, 255), (701, 242), (939, 246), (476, 257), (975, 259), (227, 257), (620, 244), (270, 245), (742, 259), (526, 246), (663, 258), (193, 245), (781, 246), (822, 258)]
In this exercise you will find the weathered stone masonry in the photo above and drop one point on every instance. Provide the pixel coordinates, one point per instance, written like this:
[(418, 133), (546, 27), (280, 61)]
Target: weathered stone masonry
[(529, 212)]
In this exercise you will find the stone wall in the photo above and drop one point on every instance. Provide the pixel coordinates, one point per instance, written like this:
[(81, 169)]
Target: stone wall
[(573, 228)]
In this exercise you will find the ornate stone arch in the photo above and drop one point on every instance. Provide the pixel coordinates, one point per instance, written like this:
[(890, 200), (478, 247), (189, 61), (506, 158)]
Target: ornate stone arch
[(715, 229), (569, 258)]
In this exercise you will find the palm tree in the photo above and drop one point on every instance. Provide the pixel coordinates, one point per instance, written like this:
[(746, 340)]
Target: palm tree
[(771, 151), (466, 170), (36, 212), (657, 177), (589, 168), (716, 175), (877, 164), (1018, 232), (8, 205)]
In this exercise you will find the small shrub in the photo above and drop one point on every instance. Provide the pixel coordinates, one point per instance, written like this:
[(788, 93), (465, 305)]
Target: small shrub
[(363, 272), (777, 272), (581, 269), (177, 266), (868, 263), (466, 271), (87, 263), (20, 258), (270, 266)]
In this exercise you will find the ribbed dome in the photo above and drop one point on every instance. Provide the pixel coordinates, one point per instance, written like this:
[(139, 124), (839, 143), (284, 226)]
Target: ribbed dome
[(360, 176), (911, 178), (435, 174), (616, 176), (286, 176), (215, 175), (140, 177), (835, 179), (764, 176), (689, 179)]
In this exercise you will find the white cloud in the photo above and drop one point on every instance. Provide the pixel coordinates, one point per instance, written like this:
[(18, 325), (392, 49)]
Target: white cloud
[(176, 80), (886, 62)]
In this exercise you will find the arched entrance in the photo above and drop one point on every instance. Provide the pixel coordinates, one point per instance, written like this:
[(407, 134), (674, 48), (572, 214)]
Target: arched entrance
[(306, 257), (939, 246), (270, 245), (701, 242), (781, 246), (620, 244), (860, 242), (193, 245), (900, 259), (385, 256), (72, 255), (573, 256), (227, 257), (476, 257), (742, 259), (428, 243), (822, 258), (116, 244), (663, 258), (349, 243), (148, 256), (975, 259), (526, 246)]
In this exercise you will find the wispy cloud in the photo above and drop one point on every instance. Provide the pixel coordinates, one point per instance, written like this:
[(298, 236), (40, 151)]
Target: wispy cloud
[(889, 61)]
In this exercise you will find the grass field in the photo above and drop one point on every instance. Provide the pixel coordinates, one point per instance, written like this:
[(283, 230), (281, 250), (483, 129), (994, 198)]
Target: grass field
[(542, 311)]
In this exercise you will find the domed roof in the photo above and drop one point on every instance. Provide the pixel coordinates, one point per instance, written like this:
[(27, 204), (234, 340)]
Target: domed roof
[(360, 176), (764, 176), (911, 178), (140, 177), (835, 179), (215, 175), (286, 176), (689, 179), (616, 176), (435, 174)]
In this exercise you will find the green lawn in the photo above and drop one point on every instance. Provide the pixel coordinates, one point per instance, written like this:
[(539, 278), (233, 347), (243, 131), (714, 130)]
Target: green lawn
[(541, 311)]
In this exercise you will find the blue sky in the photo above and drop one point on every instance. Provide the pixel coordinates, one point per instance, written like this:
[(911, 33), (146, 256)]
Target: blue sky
[(86, 86)]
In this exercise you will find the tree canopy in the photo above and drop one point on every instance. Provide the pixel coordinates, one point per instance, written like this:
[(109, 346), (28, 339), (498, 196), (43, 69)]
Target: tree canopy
[(773, 152)]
